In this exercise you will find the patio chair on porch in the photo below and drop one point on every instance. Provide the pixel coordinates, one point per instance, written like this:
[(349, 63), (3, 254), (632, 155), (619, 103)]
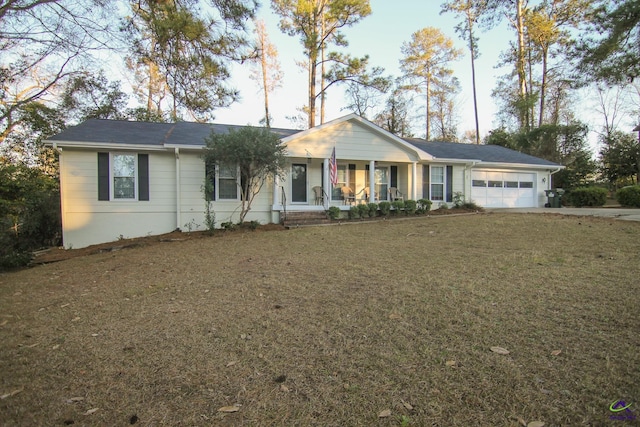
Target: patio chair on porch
[(317, 190), (348, 196), (395, 194), (365, 190)]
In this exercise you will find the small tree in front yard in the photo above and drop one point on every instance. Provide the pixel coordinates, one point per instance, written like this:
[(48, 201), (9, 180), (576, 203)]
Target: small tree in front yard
[(257, 152)]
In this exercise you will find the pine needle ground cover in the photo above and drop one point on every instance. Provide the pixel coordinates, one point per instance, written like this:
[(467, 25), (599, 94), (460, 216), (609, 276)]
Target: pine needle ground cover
[(488, 319)]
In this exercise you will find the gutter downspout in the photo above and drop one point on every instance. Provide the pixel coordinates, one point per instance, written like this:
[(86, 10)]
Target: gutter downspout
[(467, 182), (63, 220), (178, 185), (550, 174)]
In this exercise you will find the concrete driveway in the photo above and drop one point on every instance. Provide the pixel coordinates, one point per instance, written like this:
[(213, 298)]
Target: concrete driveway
[(615, 213)]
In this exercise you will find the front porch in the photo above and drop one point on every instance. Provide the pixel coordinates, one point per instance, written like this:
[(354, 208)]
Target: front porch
[(308, 187)]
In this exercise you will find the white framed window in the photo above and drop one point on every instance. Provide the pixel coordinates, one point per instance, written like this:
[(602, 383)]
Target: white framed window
[(381, 176), (227, 182), (123, 176), (343, 181), (381, 186), (437, 182)]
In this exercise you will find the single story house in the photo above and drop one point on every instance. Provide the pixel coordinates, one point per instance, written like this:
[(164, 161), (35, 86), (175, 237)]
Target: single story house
[(132, 179)]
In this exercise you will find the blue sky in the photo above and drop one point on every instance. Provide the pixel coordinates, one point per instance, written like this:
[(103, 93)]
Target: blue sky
[(380, 35)]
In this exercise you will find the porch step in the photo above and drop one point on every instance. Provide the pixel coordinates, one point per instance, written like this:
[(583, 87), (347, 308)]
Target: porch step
[(300, 219)]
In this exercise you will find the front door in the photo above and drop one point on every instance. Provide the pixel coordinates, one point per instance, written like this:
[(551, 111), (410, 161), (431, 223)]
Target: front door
[(299, 183)]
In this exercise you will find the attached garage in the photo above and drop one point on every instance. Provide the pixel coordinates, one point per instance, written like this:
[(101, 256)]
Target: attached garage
[(495, 176), (498, 189)]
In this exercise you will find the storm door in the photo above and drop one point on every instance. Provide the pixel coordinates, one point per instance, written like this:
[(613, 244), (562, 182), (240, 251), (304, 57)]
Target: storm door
[(299, 183)]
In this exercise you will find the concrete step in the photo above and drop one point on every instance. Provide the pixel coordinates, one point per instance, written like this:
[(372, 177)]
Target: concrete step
[(300, 219)]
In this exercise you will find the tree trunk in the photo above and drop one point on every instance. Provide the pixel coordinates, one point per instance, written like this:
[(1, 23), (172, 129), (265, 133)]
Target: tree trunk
[(520, 65), (266, 100), (473, 78), (150, 87), (530, 104), (543, 86), (322, 71), (312, 91), (638, 161), (428, 109), (265, 70)]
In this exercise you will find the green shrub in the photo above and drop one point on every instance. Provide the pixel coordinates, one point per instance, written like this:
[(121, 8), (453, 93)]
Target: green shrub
[(470, 205), (228, 225), (363, 210), (410, 207), (424, 205), (458, 199), (354, 212), (398, 205), (587, 196), (334, 212), (29, 214), (443, 206), (629, 196), (373, 209), (385, 208), (251, 225)]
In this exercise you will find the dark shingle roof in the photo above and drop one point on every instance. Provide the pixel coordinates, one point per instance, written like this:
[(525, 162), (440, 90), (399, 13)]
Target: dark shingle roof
[(194, 134), (485, 153), (147, 133)]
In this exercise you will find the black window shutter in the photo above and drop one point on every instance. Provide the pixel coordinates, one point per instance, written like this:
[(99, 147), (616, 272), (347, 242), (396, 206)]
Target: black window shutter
[(103, 176), (352, 176), (426, 178), (210, 176), (449, 183), (394, 176), (143, 177)]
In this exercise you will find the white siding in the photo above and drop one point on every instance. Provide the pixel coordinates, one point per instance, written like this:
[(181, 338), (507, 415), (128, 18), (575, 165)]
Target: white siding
[(192, 175), (352, 141), (87, 221)]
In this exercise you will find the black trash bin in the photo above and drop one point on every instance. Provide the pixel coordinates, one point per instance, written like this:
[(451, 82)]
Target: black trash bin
[(554, 198)]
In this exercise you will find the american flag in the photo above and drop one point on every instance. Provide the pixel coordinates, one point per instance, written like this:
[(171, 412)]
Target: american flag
[(333, 168)]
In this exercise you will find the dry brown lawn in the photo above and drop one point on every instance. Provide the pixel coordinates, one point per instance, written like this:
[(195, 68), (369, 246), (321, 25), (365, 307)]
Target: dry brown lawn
[(377, 324)]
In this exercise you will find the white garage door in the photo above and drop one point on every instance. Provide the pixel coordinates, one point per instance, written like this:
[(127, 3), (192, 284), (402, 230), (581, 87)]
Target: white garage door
[(503, 189)]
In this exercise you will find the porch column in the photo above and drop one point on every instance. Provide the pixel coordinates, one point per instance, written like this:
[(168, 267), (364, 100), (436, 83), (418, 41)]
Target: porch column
[(414, 181), (326, 183), (372, 184), (276, 190), (178, 190)]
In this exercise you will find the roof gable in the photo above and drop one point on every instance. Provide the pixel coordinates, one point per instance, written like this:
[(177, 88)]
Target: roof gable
[(336, 128)]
